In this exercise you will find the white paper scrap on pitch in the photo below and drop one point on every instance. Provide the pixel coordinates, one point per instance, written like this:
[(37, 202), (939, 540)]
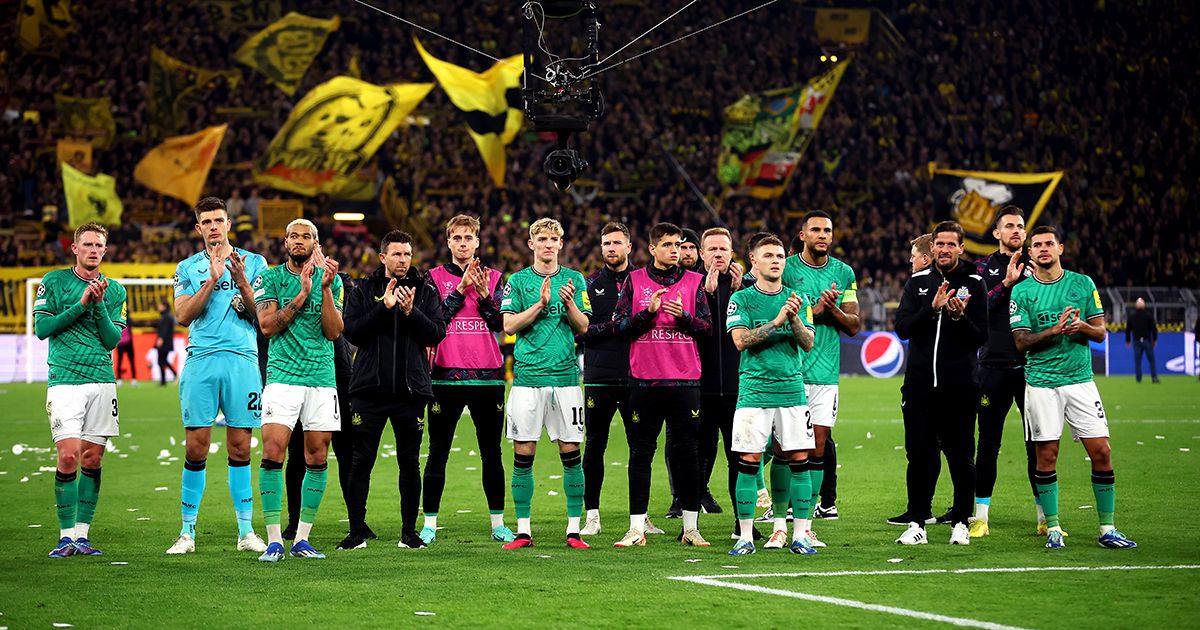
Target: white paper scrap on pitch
[(143, 518), (214, 448), (895, 560), (425, 613), (17, 449), (35, 525), (1185, 450), (1085, 507), (24, 479), (163, 454), (455, 450), (1160, 437), (728, 566), (161, 488), (692, 560), (551, 476), (131, 509), (472, 468), (253, 442), (119, 563), (472, 453), (464, 511), (172, 439), (47, 469), (552, 493), (544, 556), (62, 625)]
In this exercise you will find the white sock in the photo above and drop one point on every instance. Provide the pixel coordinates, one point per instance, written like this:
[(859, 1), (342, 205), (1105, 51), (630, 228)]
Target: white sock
[(497, 520), (638, 522), (981, 510), (1041, 513), (805, 525), (691, 520), (81, 530), (745, 529), (1056, 528), (67, 533), (275, 533), (523, 527), (572, 524), (302, 531), (797, 529), (431, 521), (780, 523), (1104, 529), (591, 514)]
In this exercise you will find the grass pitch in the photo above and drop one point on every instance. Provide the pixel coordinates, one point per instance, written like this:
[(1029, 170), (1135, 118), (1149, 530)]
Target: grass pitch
[(861, 580)]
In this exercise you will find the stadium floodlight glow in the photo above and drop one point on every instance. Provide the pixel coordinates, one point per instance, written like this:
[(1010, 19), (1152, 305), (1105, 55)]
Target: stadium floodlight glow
[(833, 58), (824, 58), (348, 216)]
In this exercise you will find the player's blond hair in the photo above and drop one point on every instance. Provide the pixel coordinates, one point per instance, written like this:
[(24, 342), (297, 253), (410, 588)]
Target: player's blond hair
[(91, 227), (715, 231), (312, 226), (462, 221), (545, 224)]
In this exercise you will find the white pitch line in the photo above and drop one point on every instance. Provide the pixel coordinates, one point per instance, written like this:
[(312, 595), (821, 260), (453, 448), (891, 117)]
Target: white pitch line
[(850, 603), (715, 580)]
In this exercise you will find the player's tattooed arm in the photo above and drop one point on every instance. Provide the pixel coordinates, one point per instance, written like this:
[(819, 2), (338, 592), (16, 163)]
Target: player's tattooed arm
[(1029, 341), (748, 338), (802, 334), (273, 320)]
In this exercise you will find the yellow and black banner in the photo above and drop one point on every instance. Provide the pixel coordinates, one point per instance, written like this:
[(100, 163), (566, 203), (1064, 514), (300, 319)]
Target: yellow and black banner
[(842, 26), (86, 118), (490, 102), (237, 15), (179, 166), (43, 26), (765, 135), (174, 86), (283, 51), (77, 153), (333, 131), (973, 198), (91, 198)]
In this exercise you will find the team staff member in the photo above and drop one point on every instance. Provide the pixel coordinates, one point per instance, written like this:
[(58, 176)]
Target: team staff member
[(943, 315), (392, 316), (1143, 332), (1001, 367)]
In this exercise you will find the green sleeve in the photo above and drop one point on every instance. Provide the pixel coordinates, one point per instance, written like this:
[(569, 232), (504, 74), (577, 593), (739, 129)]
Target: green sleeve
[(114, 314), (338, 290), (848, 286), (736, 315), (582, 301), (1018, 315), (264, 288), (1094, 307), (511, 302)]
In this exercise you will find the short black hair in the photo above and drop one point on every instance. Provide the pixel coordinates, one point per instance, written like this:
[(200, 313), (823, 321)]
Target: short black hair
[(797, 245), (948, 226), (752, 242), (814, 214), (395, 236), (1047, 229), (663, 229), (1006, 211), (208, 204)]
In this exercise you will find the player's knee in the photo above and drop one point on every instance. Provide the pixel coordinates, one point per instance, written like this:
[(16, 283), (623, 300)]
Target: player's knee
[(1101, 456), (316, 458), (91, 458), (274, 450), (68, 462)]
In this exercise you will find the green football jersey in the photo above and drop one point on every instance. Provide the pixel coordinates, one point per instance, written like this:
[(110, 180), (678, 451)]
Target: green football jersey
[(770, 374), (822, 365), (544, 355), (300, 355), (1036, 306), (76, 356)]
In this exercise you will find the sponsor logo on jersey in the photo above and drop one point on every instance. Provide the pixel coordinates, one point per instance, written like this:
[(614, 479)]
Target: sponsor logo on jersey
[(468, 325), (882, 354)]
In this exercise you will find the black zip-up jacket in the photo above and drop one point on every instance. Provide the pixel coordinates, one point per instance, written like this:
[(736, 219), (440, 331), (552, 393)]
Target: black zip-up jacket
[(605, 353), (1000, 351), (392, 355), (719, 357), (942, 351), (1141, 326)]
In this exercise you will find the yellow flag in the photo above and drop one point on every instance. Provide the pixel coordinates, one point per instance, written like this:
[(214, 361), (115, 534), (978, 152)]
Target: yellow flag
[(333, 131), (490, 101), (87, 118), (284, 50), (179, 166), (43, 25), (77, 153), (91, 198), (174, 85)]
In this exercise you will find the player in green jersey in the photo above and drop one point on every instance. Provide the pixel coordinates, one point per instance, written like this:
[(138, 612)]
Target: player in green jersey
[(771, 324), (1053, 318), (545, 305), (301, 384), (830, 287), (81, 312)]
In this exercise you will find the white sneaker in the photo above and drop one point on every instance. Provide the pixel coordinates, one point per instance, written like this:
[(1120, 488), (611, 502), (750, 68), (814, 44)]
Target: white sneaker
[(633, 538), (591, 527), (651, 528), (960, 535), (692, 538), (814, 542), (778, 540), (251, 542), (185, 544), (914, 535)]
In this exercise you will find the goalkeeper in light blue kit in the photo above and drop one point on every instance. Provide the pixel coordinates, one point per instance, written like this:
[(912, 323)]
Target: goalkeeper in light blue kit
[(214, 298)]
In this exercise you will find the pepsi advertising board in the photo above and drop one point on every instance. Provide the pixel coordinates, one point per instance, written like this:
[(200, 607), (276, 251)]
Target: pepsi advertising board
[(883, 355)]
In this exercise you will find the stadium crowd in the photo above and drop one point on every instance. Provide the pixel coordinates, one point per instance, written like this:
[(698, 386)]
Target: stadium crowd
[(988, 86)]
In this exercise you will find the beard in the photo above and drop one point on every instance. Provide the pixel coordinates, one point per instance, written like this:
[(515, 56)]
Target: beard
[(299, 259), (1044, 265)]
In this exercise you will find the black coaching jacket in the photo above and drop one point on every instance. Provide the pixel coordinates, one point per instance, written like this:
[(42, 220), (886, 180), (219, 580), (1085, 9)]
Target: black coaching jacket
[(392, 355), (942, 351)]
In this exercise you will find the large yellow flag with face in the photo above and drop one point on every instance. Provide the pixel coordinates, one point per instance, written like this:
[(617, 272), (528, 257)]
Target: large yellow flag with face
[(91, 199), (179, 166), (86, 118), (333, 131), (284, 50), (490, 101)]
